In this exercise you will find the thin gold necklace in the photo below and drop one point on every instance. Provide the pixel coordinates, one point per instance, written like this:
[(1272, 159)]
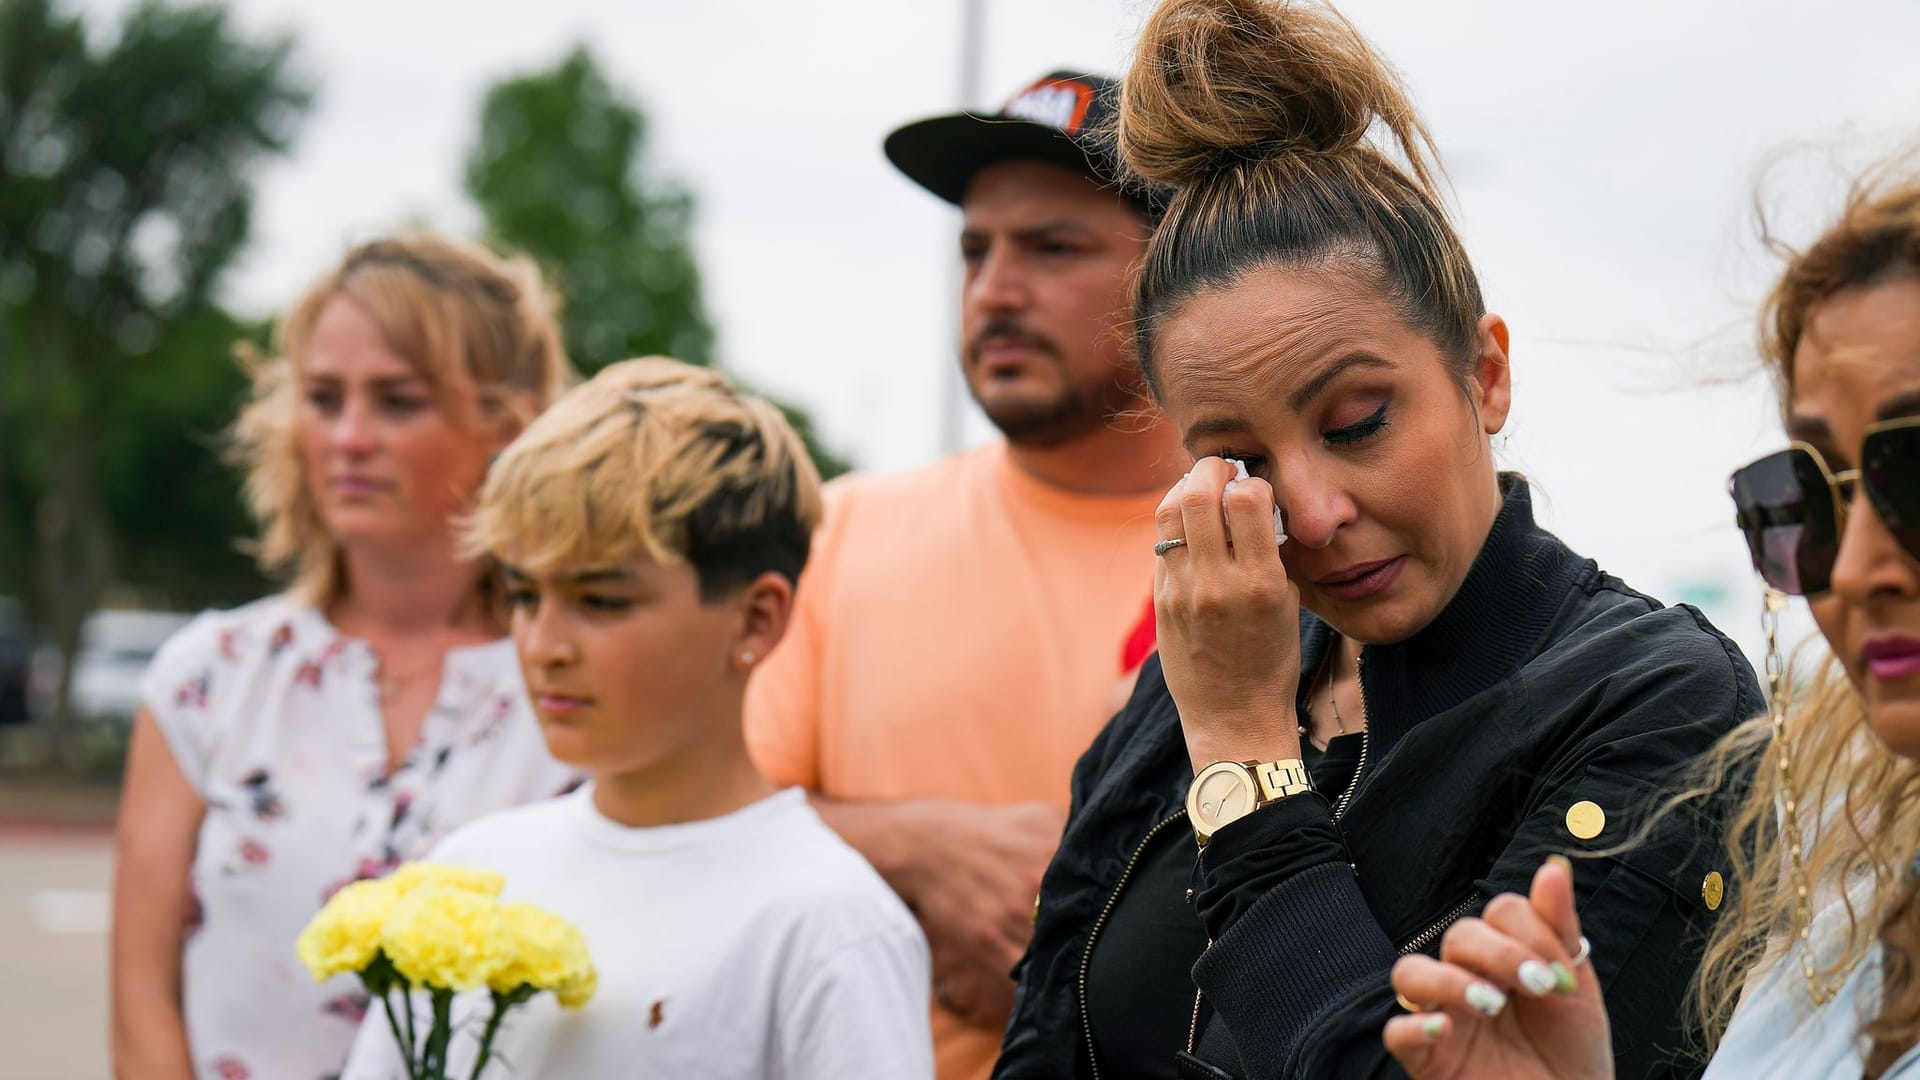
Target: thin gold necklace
[(1306, 730), (1334, 700), (387, 687)]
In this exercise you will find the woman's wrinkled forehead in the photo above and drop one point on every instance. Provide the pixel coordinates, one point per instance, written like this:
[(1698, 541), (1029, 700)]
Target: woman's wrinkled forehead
[(1276, 333), (1858, 361)]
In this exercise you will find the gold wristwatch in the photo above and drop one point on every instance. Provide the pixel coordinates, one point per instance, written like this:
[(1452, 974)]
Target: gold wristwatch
[(1227, 791)]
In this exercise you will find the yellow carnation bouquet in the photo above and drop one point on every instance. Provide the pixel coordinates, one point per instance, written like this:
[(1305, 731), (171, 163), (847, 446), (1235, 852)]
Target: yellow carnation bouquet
[(443, 930)]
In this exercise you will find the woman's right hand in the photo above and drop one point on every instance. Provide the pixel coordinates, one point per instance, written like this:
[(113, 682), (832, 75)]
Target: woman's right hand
[(1227, 618), (1506, 1000)]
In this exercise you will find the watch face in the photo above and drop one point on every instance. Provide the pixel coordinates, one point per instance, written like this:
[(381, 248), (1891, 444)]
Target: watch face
[(1223, 796)]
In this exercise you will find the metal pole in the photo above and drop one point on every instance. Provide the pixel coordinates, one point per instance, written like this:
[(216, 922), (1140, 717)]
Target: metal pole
[(954, 395)]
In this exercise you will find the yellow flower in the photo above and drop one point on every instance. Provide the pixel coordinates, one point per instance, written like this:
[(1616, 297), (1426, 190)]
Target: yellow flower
[(415, 875), (574, 994), (444, 937), (544, 951), (345, 935)]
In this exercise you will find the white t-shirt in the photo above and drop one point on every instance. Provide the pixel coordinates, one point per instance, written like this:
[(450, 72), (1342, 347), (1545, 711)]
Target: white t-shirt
[(753, 945), (273, 716)]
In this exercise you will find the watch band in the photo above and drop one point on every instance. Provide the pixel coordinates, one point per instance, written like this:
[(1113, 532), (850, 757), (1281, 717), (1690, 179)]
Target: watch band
[(1279, 779)]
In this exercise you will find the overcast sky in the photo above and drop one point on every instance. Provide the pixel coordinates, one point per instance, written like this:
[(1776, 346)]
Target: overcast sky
[(1604, 159)]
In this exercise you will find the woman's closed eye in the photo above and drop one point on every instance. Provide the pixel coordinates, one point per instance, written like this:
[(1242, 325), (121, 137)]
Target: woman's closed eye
[(1365, 429)]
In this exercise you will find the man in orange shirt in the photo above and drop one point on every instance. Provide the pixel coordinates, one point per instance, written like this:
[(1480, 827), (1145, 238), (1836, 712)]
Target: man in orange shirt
[(962, 630)]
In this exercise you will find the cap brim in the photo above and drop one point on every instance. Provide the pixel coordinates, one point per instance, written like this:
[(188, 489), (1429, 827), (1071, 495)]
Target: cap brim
[(943, 153)]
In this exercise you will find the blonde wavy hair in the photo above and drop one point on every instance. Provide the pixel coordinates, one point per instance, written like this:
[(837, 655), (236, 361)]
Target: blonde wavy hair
[(481, 330), (1857, 802), (654, 458)]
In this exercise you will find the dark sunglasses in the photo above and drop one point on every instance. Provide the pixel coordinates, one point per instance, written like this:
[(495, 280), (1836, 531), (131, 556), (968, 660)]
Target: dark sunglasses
[(1793, 509)]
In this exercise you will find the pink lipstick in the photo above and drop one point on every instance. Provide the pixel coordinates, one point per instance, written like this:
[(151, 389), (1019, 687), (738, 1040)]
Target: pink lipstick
[(1363, 581), (1891, 659)]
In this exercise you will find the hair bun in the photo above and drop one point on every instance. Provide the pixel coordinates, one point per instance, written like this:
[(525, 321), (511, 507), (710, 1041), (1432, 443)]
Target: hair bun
[(1215, 82)]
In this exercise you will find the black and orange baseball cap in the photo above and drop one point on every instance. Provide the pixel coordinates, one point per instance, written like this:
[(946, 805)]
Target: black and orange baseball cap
[(1064, 118)]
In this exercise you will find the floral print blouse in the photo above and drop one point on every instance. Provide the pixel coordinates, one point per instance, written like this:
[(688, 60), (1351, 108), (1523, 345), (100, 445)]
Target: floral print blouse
[(274, 717)]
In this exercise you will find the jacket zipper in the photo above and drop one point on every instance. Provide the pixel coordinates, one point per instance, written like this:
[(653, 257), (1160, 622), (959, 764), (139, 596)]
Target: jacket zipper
[(1425, 937), (1193, 1026), (1418, 942), (1086, 957), (1339, 811), (1366, 737)]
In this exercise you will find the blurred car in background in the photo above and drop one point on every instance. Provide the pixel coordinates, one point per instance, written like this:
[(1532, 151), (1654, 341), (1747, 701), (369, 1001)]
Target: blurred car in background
[(115, 649), (16, 665)]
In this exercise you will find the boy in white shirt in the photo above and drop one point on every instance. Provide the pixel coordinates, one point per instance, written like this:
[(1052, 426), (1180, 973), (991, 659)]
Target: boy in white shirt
[(651, 526)]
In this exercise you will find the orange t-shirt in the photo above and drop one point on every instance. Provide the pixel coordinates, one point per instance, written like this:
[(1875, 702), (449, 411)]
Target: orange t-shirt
[(960, 632)]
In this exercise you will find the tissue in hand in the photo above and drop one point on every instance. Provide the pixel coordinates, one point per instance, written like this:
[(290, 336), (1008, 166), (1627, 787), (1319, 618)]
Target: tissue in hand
[(1239, 474)]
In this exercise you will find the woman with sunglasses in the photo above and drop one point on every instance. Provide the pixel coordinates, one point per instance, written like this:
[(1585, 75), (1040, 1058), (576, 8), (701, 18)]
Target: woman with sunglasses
[(1821, 944), (1356, 735)]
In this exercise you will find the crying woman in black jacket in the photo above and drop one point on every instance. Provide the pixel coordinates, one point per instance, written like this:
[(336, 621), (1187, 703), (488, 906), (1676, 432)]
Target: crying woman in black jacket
[(1396, 712)]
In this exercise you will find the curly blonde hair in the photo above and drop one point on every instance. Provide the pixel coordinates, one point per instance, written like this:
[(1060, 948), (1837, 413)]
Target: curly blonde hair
[(481, 329), (1858, 803)]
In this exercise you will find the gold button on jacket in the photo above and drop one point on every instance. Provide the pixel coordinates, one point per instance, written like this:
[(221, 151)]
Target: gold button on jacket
[(1585, 820), (1713, 890)]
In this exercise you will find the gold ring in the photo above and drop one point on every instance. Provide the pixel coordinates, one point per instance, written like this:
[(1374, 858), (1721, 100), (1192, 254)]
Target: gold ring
[(1581, 954), (1407, 1005), (1165, 546)]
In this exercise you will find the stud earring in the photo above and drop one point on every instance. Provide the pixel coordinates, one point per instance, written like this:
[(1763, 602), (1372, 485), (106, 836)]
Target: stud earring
[(747, 657)]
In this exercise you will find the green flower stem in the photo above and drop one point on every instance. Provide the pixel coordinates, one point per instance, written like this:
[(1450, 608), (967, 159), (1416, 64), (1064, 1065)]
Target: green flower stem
[(415, 1064), (500, 1006), (393, 1022), (442, 1033)]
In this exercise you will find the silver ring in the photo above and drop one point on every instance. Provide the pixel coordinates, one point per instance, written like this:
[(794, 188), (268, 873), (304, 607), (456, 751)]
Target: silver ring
[(1165, 546), (1581, 955)]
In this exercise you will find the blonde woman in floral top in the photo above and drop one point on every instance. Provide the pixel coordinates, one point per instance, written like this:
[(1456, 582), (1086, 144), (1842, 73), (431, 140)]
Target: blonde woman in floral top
[(330, 732)]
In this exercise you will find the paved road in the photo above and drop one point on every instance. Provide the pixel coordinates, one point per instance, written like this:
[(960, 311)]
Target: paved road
[(53, 954)]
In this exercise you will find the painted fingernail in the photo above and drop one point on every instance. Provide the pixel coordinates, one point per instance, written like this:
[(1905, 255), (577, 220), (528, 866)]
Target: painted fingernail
[(1537, 977), (1486, 999), (1561, 862), (1563, 979), (1434, 1026)]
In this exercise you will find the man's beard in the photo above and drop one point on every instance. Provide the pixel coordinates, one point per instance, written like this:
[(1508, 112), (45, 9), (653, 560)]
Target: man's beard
[(1042, 425), (1071, 414)]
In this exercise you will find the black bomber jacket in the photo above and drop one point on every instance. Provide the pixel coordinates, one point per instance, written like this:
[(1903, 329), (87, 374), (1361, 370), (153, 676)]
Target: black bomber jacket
[(1543, 685)]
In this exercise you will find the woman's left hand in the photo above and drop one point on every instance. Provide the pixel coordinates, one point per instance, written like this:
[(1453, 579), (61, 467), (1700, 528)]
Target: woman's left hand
[(1512, 996), (1228, 618)]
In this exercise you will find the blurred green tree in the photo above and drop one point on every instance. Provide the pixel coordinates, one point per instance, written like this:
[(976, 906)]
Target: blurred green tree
[(125, 192), (560, 173)]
